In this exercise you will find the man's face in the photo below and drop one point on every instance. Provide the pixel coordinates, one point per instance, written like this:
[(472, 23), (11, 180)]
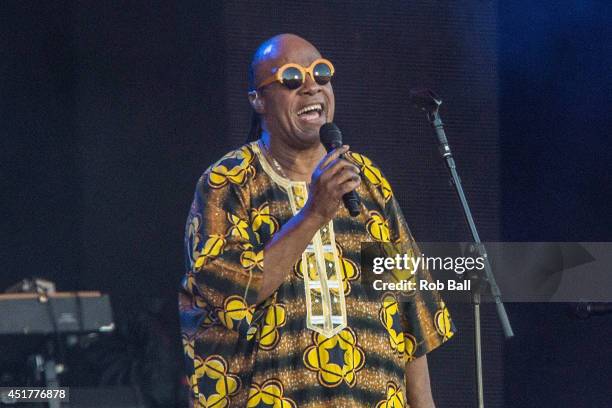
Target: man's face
[(283, 107)]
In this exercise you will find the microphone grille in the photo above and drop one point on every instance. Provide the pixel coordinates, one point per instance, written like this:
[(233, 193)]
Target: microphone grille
[(330, 135), (425, 99)]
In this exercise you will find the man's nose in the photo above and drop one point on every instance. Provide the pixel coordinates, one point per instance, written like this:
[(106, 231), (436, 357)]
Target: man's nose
[(310, 86)]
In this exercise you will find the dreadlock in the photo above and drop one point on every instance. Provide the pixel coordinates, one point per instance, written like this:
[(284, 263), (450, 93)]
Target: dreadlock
[(255, 130)]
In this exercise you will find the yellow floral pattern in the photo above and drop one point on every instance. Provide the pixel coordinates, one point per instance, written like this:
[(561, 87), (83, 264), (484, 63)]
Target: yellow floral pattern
[(269, 335), (239, 227), (213, 247), (378, 226), (233, 168), (402, 343), (193, 237), (335, 359), (261, 217), (395, 397), (373, 174), (443, 322), (188, 344), (269, 394), (250, 258), (349, 269), (214, 371), (235, 311)]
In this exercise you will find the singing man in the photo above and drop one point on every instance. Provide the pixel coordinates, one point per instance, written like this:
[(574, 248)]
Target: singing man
[(273, 310)]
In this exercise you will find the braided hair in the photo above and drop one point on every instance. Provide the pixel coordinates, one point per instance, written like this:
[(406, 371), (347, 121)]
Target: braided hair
[(255, 130)]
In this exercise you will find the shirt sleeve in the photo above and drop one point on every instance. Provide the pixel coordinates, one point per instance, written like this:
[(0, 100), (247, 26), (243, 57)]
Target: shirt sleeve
[(426, 321), (224, 256)]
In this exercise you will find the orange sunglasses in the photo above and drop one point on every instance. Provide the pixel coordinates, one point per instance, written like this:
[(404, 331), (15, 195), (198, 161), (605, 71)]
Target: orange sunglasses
[(293, 75)]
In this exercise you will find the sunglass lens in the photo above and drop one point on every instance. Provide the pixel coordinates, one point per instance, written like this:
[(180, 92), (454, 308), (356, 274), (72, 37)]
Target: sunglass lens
[(292, 78), (322, 73)]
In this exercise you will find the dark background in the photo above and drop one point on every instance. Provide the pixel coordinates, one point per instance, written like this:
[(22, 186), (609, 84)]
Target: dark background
[(110, 112)]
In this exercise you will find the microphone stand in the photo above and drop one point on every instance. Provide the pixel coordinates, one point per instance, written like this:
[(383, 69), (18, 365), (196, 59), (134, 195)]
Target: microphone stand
[(429, 102)]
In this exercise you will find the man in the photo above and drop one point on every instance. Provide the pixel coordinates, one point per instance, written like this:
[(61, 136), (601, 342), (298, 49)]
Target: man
[(273, 311)]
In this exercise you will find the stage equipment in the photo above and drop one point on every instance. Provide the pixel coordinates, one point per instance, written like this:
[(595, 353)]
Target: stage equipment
[(46, 312), (51, 313), (584, 310), (427, 101)]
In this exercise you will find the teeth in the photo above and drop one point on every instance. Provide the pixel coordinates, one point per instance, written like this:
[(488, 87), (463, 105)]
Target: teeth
[(316, 106)]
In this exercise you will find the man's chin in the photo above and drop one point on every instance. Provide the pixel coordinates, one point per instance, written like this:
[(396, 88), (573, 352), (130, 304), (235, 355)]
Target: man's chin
[(308, 137)]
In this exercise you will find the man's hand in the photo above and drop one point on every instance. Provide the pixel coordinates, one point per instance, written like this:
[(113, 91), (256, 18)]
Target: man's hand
[(332, 178)]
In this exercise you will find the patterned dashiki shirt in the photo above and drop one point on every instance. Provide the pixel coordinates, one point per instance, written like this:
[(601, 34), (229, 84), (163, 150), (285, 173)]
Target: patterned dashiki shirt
[(321, 339)]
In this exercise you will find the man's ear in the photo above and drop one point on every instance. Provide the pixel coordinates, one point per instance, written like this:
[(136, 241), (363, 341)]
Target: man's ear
[(256, 102)]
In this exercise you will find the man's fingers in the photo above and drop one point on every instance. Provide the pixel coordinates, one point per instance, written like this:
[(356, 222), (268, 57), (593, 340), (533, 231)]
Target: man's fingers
[(345, 174), (333, 155), (349, 186), (345, 182), (334, 168)]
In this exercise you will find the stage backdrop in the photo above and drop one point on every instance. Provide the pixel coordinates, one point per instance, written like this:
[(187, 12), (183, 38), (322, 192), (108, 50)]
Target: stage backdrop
[(113, 111)]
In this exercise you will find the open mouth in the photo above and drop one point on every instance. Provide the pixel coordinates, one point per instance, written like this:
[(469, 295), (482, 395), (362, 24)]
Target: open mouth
[(311, 112)]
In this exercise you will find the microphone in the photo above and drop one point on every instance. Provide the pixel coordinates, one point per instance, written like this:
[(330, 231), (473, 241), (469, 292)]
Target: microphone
[(584, 310), (331, 137), (425, 100)]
